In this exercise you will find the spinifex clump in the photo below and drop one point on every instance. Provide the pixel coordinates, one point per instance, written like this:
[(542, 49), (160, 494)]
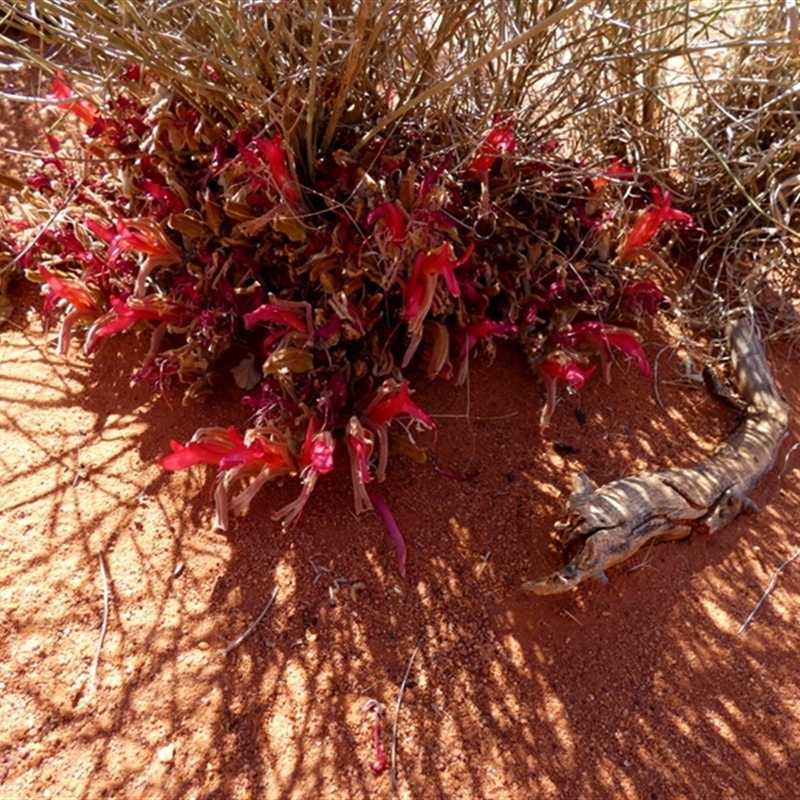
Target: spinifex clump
[(340, 279)]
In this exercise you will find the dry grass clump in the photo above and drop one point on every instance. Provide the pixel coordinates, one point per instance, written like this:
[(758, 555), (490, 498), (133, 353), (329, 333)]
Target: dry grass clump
[(741, 168)]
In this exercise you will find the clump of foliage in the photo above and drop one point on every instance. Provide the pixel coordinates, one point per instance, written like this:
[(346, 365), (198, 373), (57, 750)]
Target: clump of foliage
[(351, 196)]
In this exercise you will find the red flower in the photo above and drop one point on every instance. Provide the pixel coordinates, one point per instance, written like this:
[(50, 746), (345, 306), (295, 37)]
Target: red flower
[(394, 220), (210, 451), (262, 452), (648, 223), (391, 401), (142, 235), (482, 328), (360, 443), (500, 141), (421, 285), (165, 196), (281, 312), (271, 150), (124, 314), (615, 171), (227, 449), (72, 291), (559, 365), (81, 108)]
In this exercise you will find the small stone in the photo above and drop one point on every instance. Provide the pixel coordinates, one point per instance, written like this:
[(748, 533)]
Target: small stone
[(166, 755)]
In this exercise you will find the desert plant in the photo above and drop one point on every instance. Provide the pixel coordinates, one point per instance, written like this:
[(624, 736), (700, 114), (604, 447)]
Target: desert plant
[(352, 192)]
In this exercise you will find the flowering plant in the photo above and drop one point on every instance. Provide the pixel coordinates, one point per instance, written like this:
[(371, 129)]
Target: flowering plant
[(340, 278)]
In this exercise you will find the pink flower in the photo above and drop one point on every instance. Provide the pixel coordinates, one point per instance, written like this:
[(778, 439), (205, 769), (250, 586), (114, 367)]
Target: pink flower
[(500, 141), (648, 223), (560, 366), (316, 458), (642, 297), (317, 453), (360, 443)]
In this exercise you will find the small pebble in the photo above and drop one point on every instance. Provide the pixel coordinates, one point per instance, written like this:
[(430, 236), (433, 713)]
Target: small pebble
[(166, 755)]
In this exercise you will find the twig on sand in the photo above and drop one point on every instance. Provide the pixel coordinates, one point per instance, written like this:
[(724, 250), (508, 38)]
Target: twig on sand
[(397, 716), (258, 619), (767, 591), (572, 617), (786, 459), (103, 627)]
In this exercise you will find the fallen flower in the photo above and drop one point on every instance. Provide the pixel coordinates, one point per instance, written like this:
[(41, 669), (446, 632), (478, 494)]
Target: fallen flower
[(379, 764)]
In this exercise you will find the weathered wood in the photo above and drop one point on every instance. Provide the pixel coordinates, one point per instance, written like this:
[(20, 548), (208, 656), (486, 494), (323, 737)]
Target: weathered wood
[(611, 523)]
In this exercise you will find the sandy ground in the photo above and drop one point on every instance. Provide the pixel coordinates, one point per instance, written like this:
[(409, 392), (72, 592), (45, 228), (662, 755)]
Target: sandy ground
[(639, 689), (643, 688)]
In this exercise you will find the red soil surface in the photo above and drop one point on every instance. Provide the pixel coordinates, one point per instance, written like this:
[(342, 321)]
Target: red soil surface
[(643, 688)]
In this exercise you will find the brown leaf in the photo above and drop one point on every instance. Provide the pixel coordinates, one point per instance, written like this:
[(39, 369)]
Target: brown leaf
[(6, 308), (246, 374)]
